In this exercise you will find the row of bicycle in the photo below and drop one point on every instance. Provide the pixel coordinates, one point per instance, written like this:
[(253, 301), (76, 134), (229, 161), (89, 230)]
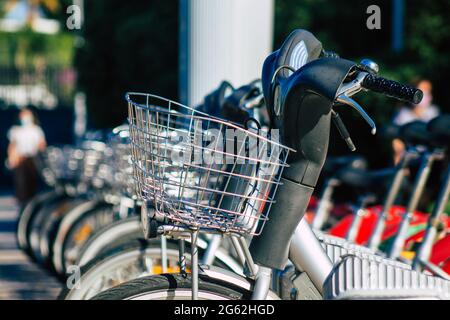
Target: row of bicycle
[(140, 221)]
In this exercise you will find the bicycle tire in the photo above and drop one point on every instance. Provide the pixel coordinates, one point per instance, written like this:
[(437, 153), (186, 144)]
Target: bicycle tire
[(112, 260), (170, 286)]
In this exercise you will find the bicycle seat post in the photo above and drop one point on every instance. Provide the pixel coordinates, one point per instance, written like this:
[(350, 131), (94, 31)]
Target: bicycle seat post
[(401, 169), (419, 186), (325, 204), (424, 251), (358, 216)]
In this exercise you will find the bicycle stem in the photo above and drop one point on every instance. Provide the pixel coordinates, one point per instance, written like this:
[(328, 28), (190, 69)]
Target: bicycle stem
[(304, 116)]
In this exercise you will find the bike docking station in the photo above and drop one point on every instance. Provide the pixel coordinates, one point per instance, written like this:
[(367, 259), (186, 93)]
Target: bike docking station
[(238, 201)]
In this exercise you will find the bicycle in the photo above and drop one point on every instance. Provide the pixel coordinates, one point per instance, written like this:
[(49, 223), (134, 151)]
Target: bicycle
[(310, 93)]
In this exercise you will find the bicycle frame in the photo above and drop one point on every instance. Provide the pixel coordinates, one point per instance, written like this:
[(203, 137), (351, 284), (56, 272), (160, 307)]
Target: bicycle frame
[(305, 253)]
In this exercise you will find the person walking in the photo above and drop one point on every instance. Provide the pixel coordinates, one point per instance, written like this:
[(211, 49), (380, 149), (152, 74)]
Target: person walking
[(26, 140)]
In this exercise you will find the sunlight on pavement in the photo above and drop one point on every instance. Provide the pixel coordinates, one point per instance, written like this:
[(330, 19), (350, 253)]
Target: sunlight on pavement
[(19, 277)]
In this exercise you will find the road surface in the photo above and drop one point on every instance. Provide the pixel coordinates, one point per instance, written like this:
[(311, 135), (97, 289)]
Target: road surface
[(20, 278)]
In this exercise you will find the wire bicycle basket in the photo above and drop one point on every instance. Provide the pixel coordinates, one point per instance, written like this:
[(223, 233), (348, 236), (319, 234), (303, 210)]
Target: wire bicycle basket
[(201, 171)]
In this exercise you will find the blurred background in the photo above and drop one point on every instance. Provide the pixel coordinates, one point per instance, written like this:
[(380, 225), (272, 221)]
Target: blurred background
[(75, 79)]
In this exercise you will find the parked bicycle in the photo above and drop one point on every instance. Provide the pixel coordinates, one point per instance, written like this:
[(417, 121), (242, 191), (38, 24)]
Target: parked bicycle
[(301, 103)]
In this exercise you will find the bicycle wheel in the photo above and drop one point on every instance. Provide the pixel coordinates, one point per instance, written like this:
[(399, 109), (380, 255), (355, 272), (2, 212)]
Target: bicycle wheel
[(129, 230), (109, 237), (75, 229), (124, 263), (28, 214), (48, 214), (173, 287)]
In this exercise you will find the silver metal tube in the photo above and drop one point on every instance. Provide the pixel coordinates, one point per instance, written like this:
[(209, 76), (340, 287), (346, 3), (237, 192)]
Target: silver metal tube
[(194, 259), (325, 205), (419, 185), (210, 253), (262, 283), (182, 256), (164, 254), (434, 269), (306, 253), (356, 224), (377, 233), (237, 247), (424, 251), (252, 268)]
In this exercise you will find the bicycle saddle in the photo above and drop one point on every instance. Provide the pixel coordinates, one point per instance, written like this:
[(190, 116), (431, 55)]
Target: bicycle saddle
[(233, 108), (358, 178), (333, 164), (213, 102), (439, 129), (390, 132), (415, 133)]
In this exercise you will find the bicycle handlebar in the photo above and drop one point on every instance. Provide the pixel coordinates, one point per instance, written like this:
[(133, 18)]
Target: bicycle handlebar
[(392, 88)]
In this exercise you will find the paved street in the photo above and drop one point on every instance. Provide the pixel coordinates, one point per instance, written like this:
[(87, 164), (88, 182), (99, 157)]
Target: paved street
[(20, 278)]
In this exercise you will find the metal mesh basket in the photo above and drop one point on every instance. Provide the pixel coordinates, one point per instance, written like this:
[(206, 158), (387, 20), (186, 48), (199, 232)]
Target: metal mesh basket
[(84, 167), (201, 171), (61, 164)]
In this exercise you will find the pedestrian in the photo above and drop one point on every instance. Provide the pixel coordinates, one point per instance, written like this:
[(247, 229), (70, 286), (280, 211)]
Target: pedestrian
[(424, 111), (26, 140)]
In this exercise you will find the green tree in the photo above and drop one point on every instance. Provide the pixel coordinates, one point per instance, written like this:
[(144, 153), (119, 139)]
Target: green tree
[(127, 47), (341, 26)]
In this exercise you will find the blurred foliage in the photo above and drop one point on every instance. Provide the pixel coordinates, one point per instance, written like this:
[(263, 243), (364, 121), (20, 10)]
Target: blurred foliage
[(26, 48), (341, 27), (127, 47), (135, 47)]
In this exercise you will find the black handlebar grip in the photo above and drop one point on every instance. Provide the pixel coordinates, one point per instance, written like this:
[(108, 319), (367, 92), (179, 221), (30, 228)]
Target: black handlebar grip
[(392, 88)]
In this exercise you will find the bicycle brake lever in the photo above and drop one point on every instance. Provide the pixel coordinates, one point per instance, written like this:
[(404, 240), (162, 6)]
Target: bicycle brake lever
[(344, 99)]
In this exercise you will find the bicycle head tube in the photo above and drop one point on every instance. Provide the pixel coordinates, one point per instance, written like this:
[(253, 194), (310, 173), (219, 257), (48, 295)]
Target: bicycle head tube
[(299, 105)]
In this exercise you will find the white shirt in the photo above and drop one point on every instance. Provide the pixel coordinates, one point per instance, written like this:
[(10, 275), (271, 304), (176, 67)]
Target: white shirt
[(26, 139), (406, 115)]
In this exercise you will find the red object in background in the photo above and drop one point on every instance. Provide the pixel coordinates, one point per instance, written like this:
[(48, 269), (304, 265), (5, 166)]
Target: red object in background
[(312, 207), (338, 212), (369, 220), (446, 266), (440, 255)]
